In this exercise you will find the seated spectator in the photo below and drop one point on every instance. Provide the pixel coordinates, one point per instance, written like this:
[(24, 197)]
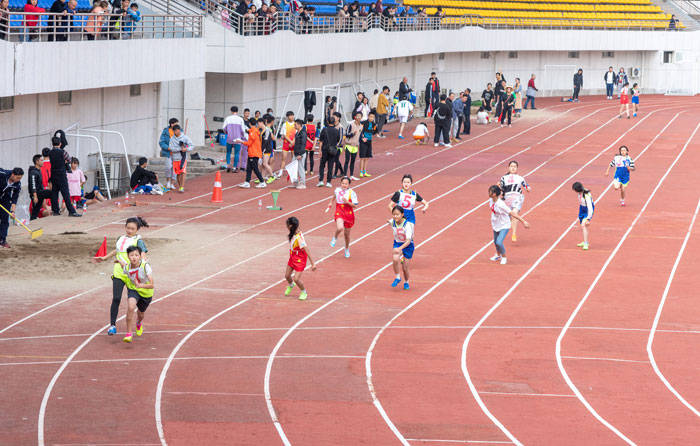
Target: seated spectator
[(31, 30), (482, 116), (143, 181)]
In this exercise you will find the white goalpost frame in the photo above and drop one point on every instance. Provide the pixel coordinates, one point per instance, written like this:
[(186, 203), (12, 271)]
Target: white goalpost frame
[(560, 70)]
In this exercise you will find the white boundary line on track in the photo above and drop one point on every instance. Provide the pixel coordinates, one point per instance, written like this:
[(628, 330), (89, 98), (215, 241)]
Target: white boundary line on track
[(555, 395), (268, 370), (368, 360), (589, 358), (657, 317), (429, 440), (465, 345), (573, 315), (54, 379)]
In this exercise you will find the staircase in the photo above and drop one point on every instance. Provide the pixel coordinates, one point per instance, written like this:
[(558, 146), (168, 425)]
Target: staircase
[(688, 12), (195, 168)]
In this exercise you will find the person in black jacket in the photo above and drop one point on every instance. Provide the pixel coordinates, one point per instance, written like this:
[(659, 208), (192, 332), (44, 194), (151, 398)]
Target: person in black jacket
[(499, 93), (330, 139), (59, 180), (57, 7), (578, 83), (467, 99), (487, 97), (309, 101), (300, 152), (10, 187), (508, 101), (141, 176), (404, 89), (37, 193), (442, 119), (432, 94)]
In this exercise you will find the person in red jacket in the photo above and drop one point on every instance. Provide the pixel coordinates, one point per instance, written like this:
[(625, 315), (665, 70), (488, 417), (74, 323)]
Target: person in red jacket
[(30, 21)]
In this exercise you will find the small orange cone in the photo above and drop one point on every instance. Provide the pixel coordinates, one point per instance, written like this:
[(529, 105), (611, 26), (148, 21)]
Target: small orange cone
[(103, 249), (216, 195)]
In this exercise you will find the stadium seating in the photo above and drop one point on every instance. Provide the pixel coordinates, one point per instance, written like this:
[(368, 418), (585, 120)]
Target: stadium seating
[(554, 13)]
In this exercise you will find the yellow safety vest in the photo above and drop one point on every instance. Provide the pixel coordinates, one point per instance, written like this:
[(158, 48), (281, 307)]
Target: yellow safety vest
[(123, 243), (143, 292)]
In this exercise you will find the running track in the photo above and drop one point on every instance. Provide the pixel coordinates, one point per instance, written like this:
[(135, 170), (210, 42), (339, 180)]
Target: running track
[(558, 347)]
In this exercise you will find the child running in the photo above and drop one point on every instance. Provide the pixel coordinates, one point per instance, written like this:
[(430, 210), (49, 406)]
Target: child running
[(635, 99), (407, 199), (140, 290), (345, 200), (622, 164), (119, 278), (501, 216), (625, 100), (421, 133), (513, 186), (403, 245), (585, 211), (298, 255)]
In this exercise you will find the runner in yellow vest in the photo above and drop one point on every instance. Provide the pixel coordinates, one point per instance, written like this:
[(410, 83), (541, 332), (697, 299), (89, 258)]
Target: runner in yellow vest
[(119, 279), (140, 290)]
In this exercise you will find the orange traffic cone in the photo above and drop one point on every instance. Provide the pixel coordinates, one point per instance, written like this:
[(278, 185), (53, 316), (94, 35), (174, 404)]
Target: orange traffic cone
[(103, 249), (216, 195)]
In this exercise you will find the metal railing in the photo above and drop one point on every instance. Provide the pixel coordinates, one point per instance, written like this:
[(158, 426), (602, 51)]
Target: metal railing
[(31, 27)]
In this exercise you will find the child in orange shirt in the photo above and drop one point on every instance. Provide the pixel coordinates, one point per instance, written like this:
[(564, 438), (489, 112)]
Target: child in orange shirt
[(254, 144), (310, 141)]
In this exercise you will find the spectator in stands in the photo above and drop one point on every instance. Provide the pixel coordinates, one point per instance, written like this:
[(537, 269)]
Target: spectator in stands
[(142, 180), (258, 4), (404, 89), (341, 19), (116, 20), (249, 21), (37, 193), (133, 16), (93, 26), (530, 92), (378, 8), (389, 15), (382, 110), (235, 129), (4, 19), (673, 22), (442, 118), (437, 17), (58, 7), (164, 143), (31, 30), (307, 17), (621, 80), (59, 178), (421, 19), (610, 79), (578, 83), (243, 6), (10, 182), (67, 22), (467, 111)]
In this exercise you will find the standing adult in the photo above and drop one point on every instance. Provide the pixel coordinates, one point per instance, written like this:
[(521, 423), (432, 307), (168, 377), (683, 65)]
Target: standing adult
[(578, 84), (467, 99), (10, 186), (164, 143), (432, 94), (621, 80), (330, 140), (457, 116), (382, 110), (404, 89), (235, 129), (610, 79), (59, 178), (530, 92), (442, 118), (58, 7)]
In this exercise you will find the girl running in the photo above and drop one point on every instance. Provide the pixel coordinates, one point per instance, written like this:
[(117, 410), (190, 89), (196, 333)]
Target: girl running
[(625, 100), (345, 200), (501, 215), (513, 186), (622, 164), (140, 290), (635, 99), (119, 279), (403, 245), (407, 199), (298, 254), (585, 211)]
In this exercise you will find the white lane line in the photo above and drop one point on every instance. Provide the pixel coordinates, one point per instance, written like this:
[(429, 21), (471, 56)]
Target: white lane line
[(657, 317), (268, 370), (431, 440), (213, 393), (48, 307), (556, 395), (465, 345), (589, 358), (368, 359), (573, 315)]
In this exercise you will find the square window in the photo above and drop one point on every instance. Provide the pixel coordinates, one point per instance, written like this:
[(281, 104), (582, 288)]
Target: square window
[(323, 69), (135, 90), (65, 97), (385, 62), (407, 60), (263, 75), (485, 55), (441, 56), (573, 54), (288, 73), (608, 54), (668, 56), (7, 103), (341, 67), (512, 54)]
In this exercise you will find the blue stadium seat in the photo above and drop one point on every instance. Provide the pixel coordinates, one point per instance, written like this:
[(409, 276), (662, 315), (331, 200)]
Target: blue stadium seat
[(16, 21), (325, 10), (46, 4), (84, 5), (16, 4)]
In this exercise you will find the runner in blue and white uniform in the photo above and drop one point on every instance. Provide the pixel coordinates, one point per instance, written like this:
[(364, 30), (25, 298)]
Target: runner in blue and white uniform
[(622, 164), (403, 245), (407, 199), (585, 211)]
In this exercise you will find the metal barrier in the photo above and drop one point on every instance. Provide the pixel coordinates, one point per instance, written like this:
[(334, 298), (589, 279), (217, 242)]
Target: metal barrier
[(31, 27)]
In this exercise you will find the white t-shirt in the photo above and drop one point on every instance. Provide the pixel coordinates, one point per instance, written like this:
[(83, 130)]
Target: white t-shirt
[(421, 130), (404, 108), (402, 232), (141, 272), (345, 196), (609, 77), (482, 117), (500, 215)]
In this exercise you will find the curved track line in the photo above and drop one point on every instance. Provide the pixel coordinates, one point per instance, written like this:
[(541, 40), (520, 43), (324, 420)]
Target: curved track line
[(465, 345), (368, 357), (390, 424), (650, 341), (573, 315), (54, 379)]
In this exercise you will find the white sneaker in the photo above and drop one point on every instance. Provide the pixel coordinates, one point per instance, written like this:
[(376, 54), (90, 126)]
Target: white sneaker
[(448, 145), (261, 185), (436, 144), (495, 258), (320, 184), (301, 186), (347, 253), (244, 185), (354, 178), (503, 261), (329, 185)]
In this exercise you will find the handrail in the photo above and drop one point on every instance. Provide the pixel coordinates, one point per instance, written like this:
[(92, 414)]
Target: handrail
[(102, 160), (29, 27), (114, 132)]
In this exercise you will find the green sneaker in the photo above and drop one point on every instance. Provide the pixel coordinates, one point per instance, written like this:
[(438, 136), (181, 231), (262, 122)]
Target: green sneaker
[(139, 329), (585, 246), (256, 181), (303, 295), (581, 245), (289, 289), (271, 179)]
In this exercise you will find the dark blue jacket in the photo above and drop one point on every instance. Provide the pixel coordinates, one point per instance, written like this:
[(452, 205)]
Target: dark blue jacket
[(9, 192)]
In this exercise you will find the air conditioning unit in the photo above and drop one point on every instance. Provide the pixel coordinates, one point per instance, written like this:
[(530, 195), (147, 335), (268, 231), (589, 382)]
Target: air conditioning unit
[(635, 72)]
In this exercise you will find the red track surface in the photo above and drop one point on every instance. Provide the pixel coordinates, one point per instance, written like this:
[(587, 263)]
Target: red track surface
[(216, 390)]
